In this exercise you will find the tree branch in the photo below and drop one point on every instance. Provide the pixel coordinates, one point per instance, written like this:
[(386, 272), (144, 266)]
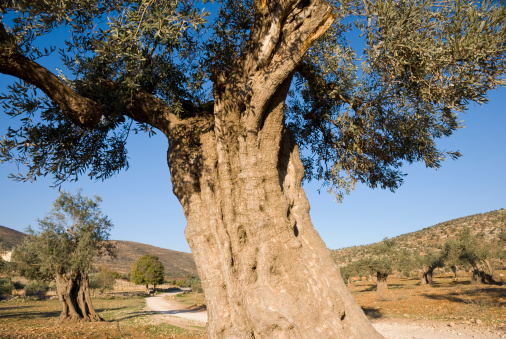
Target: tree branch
[(80, 110), (281, 36)]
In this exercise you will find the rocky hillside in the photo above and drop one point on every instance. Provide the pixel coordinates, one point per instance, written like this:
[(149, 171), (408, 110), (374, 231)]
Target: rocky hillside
[(9, 238), (176, 264), (489, 224)]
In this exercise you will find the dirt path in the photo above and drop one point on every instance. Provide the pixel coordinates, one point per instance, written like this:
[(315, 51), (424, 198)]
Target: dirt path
[(181, 315), (176, 313)]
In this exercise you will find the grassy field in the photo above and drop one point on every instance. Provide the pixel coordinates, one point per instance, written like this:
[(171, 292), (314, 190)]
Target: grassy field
[(124, 318), (446, 300)]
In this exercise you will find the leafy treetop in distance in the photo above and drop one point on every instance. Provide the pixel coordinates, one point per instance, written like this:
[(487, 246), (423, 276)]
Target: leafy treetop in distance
[(148, 270)]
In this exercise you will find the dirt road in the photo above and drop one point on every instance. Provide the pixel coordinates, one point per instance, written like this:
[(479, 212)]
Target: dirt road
[(390, 328), (176, 313)]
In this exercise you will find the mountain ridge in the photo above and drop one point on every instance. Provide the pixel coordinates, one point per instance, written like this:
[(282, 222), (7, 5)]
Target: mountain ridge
[(177, 264), (489, 224)]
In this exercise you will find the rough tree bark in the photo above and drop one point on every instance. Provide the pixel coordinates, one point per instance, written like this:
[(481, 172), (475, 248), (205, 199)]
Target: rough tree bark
[(74, 294), (265, 270), (454, 270), (483, 273)]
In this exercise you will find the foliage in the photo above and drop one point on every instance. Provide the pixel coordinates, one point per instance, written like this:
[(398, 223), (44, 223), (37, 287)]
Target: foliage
[(471, 248), (490, 225), (147, 270), (407, 261), (70, 236), (358, 116), (384, 257), (104, 279), (6, 287), (191, 281), (36, 289)]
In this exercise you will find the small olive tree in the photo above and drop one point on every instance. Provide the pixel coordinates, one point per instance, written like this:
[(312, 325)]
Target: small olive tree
[(148, 270), (382, 262), (474, 250), (70, 237), (428, 263)]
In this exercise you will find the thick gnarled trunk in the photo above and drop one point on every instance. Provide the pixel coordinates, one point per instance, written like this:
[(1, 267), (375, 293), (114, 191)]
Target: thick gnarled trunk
[(265, 270), (74, 294)]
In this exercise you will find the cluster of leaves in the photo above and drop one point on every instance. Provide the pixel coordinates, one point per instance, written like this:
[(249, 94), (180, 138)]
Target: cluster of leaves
[(70, 236), (383, 258), (361, 116), (51, 143), (358, 116), (140, 45), (147, 270), (465, 250), (104, 279)]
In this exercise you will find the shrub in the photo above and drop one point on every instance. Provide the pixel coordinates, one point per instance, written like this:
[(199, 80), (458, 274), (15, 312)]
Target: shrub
[(6, 287), (36, 289), (191, 281), (18, 285)]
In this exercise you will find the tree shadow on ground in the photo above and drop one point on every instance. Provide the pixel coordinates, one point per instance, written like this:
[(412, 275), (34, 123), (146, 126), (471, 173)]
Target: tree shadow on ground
[(9, 308), (133, 315), (185, 310), (398, 287), (497, 295), (31, 315), (372, 313)]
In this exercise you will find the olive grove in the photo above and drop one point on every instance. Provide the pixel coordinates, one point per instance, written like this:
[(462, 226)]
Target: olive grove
[(254, 97)]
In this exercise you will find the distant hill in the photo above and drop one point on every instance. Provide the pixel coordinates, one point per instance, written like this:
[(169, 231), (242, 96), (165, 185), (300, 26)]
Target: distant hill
[(176, 264), (9, 238), (489, 224)]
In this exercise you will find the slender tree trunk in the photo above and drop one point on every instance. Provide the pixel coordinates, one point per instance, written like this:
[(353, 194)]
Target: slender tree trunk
[(381, 283), (74, 294), (454, 270)]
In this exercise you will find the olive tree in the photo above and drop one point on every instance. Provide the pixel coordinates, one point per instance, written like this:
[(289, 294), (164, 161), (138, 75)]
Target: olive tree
[(382, 261), (239, 88), (429, 262), (70, 237), (477, 252)]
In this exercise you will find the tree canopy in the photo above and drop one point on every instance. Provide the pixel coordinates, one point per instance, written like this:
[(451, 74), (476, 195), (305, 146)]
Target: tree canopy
[(360, 115), (147, 270), (70, 237)]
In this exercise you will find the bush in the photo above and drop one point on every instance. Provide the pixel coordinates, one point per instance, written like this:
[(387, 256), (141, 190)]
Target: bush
[(18, 285), (36, 289), (6, 287), (93, 281), (193, 282)]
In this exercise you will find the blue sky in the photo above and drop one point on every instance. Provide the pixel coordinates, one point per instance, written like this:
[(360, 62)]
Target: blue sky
[(143, 208)]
